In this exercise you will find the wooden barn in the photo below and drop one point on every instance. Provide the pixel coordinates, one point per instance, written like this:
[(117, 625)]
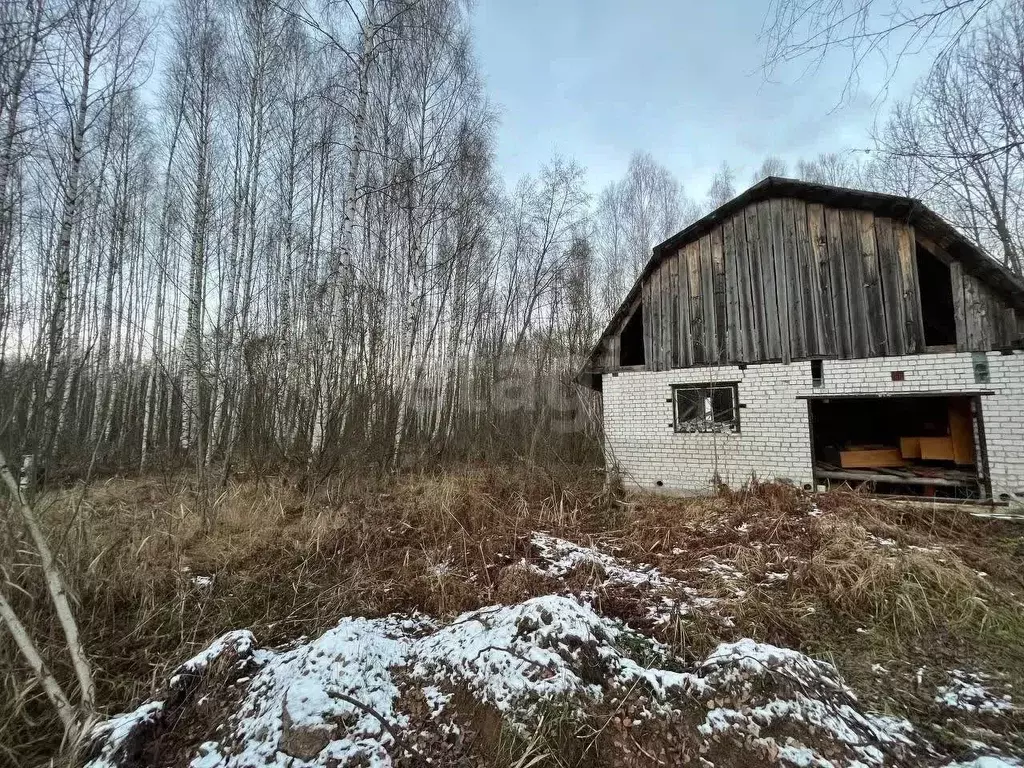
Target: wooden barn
[(820, 335)]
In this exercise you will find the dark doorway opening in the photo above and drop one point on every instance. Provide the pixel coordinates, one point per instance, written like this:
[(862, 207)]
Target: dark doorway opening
[(937, 311), (631, 340), (921, 445)]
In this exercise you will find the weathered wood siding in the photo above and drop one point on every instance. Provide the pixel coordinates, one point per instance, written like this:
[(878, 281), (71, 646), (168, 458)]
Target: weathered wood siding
[(983, 320), (784, 279)]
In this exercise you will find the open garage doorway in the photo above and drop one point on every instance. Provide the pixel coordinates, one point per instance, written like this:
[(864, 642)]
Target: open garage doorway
[(914, 445)]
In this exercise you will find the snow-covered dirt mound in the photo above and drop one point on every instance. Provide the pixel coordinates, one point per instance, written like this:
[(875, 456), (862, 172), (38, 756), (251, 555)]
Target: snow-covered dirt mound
[(509, 680)]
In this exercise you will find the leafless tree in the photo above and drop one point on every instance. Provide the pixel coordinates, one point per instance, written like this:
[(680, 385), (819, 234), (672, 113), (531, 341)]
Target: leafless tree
[(958, 141), (632, 215), (884, 31), (838, 169), (772, 165), (723, 186)]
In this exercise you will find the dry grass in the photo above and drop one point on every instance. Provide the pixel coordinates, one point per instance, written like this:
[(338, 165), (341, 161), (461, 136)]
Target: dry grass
[(285, 565)]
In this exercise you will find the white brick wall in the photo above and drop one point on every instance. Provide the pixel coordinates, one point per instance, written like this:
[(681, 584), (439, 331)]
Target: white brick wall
[(774, 439)]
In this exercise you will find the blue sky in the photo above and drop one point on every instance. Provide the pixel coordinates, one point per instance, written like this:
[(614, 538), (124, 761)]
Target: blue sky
[(597, 79)]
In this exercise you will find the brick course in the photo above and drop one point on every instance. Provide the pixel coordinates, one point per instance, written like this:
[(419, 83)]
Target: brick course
[(774, 438)]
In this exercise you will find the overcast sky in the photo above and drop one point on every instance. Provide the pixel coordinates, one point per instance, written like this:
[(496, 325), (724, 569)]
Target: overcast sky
[(597, 79)]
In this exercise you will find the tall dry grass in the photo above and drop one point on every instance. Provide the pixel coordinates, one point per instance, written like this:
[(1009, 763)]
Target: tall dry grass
[(153, 586)]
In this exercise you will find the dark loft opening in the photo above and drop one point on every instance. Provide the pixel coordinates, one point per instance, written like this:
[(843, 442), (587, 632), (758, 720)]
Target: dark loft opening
[(936, 299), (631, 340)]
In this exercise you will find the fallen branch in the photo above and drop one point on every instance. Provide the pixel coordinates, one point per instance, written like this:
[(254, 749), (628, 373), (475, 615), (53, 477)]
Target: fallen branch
[(399, 741), (58, 593), (52, 688)]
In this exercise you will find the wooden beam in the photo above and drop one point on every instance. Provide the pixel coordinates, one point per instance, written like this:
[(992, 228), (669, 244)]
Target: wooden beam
[(792, 288), (645, 289), (853, 266), (877, 340), (821, 281), (707, 290), (755, 315), (734, 322), (977, 310), (780, 278), (892, 290), (683, 301), (692, 251), (765, 261), (720, 289), (673, 311), (878, 477), (956, 279), (906, 255), (840, 291)]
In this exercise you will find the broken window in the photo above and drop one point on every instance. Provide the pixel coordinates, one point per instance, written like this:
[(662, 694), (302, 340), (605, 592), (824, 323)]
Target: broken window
[(706, 408), (631, 340), (936, 299)]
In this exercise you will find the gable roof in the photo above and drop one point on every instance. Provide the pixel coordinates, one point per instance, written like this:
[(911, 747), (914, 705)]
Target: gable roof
[(910, 210)]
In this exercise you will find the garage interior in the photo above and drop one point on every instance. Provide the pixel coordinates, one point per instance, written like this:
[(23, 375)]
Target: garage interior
[(907, 446)]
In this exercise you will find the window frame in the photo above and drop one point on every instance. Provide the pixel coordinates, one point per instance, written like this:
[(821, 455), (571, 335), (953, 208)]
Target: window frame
[(702, 424)]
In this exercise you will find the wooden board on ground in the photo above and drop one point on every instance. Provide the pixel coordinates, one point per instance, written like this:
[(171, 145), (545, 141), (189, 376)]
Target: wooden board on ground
[(871, 457)]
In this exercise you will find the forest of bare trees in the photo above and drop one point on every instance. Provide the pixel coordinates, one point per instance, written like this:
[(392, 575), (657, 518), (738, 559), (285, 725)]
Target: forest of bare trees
[(260, 231), (281, 236)]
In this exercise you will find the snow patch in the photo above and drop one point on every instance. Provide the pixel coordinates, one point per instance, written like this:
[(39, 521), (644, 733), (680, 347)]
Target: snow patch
[(965, 692)]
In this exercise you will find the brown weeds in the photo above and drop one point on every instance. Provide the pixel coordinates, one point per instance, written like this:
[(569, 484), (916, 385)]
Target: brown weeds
[(153, 587)]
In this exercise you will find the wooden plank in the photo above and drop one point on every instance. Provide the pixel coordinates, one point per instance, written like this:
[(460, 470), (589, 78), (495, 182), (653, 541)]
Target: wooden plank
[(765, 245), (654, 362), (961, 431), (906, 255), (708, 299), (936, 449), (673, 309), (876, 477), (779, 279), (820, 283), (892, 288), (755, 315), (645, 290), (956, 279), (996, 324), (853, 265), (721, 312), (707, 290), (1010, 324), (656, 318), (1001, 321), (666, 315), (734, 328), (790, 288), (875, 319), (871, 457), (748, 330), (696, 303), (837, 274), (977, 310), (910, 447), (683, 302), (809, 289)]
